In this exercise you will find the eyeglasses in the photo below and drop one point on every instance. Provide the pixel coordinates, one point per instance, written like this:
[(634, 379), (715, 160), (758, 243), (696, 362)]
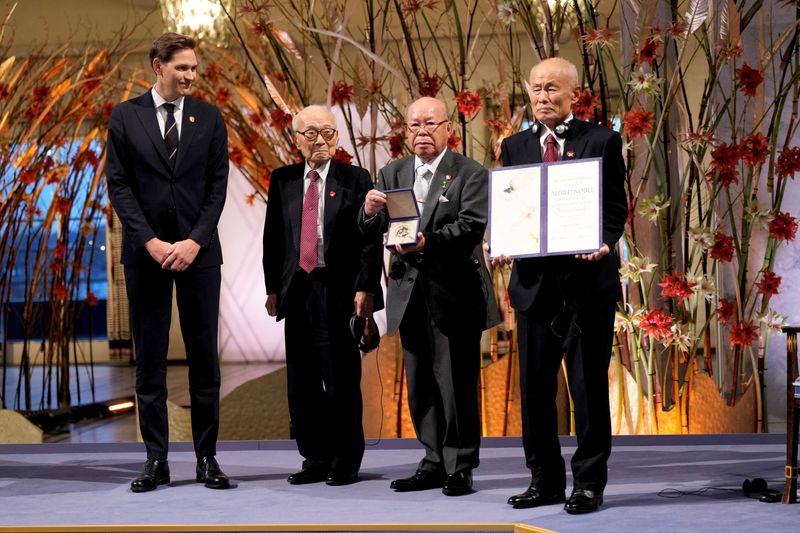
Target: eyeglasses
[(311, 135), (429, 127)]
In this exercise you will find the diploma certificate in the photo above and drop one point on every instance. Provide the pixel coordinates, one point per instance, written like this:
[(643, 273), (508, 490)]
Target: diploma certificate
[(546, 209)]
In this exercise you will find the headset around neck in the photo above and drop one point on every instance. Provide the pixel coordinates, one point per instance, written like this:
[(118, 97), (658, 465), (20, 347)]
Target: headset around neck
[(560, 130)]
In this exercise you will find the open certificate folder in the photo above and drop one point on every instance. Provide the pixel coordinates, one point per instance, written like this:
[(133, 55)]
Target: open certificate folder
[(546, 209)]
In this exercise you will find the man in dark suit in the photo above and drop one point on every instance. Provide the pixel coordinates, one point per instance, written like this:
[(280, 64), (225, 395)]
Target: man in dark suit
[(566, 304), (320, 270), (167, 175), (440, 297)]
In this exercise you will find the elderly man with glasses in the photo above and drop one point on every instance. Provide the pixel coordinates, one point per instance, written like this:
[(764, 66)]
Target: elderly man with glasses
[(440, 296), (320, 270)]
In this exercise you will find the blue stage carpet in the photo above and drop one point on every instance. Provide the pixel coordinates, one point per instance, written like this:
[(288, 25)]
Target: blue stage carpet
[(670, 484)]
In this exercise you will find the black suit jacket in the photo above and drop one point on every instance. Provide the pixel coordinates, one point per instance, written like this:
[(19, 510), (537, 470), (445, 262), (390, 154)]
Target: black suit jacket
[(154, 200), (584, 280), (353, 261), (451, 270)]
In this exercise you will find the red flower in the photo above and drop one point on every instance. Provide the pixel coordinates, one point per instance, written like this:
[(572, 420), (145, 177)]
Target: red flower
[(725, 310), (257, 119), (341, 93), (656, 323), (754, 149), (59, 250), (429, 85), (280, 119), (674, 285), (788, 162), (62, 205), (769, 283), (748, 79), (87, 157), (89, 86), (212, 72), (343, 155), (600, 37), (722, 249), (724, 159), (251, 198), (782, 227), (222, 96), (586, 105), (468, 103), (638, 123), (91, 299), (397, 145), (264, 176), (250, 141), (412, 6), (59, 292), (743, 333), (237, 157), (649, 51), (453, 141), (498, 125), (108, 107), (199, 96)]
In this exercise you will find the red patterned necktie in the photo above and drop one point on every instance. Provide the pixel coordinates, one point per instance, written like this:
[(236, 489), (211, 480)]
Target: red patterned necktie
[(550, 150), (308, 227)]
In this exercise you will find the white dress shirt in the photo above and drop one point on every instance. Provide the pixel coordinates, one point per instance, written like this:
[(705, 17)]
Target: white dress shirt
[(161, 111)]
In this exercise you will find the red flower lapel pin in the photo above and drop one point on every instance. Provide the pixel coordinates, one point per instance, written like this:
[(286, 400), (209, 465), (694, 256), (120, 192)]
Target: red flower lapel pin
[(446, 181), (570, 154), (331, 193)]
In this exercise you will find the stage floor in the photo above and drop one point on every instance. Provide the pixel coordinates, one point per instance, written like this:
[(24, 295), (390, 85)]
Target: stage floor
[(670, 483)]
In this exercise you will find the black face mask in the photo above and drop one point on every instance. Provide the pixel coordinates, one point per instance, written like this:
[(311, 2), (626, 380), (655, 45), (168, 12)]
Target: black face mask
[(365, 332)]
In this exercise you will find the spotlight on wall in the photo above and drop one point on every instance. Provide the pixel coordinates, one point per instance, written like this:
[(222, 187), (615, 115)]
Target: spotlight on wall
[(201, 19), (119, 407)]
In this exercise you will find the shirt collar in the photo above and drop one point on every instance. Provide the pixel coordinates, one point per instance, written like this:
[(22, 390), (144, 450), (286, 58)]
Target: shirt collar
[(159, 101), (322, 170), (432, 165)]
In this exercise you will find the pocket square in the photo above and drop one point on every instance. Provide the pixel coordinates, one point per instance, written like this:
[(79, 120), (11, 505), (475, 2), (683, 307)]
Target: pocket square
[(443, 198)]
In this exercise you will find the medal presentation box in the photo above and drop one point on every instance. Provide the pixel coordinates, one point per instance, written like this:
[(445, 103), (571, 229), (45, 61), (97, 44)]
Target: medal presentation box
[(546, 209), (401, 204)]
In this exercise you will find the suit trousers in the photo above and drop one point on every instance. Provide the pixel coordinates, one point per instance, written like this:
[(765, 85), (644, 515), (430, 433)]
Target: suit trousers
[(323, 368), (149, 290), (442, 372), (546, 333)]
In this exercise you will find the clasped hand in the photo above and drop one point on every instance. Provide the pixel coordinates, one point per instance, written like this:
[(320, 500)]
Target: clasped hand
[(176, 256)]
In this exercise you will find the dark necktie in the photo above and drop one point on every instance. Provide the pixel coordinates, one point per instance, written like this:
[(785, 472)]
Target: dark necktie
[(550, 150), (308, 226), (171, 134)]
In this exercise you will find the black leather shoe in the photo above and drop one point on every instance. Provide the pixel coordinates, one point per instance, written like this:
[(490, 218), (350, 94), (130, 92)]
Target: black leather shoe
[(535, 496), (341, 477), (209, 473), (421, 480), (154, 473), (583, 501), (307, 475), (458, 484)]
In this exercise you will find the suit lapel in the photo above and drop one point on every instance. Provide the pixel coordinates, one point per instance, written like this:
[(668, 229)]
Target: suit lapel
[(189, 125), (532, 148), (332, 200), (147, 115), (575, 141), (294, 204), (405, 174)]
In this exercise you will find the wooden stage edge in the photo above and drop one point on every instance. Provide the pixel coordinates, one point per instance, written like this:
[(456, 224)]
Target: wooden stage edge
[(131, 528)]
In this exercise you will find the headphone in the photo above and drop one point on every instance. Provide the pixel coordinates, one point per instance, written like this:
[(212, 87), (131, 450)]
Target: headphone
[(758, 489), (365, 332), (560, 129)]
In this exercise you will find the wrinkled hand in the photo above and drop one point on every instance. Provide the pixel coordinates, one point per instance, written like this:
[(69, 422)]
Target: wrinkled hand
[(501, 260), (374, 202), (272, 304), (159, 250), (402, 250), (182, 255), (363, 304), (595, 256)]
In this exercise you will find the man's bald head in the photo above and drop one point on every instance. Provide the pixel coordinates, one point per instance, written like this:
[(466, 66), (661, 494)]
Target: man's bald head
[(554, 90)]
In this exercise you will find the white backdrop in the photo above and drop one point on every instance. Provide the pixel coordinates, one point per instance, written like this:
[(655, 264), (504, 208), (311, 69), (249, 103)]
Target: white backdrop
[(246, 332)]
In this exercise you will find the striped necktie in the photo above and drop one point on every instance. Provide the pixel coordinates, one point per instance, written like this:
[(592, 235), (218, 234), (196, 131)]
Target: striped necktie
[(550, 149), (171, 134), (308, 225)]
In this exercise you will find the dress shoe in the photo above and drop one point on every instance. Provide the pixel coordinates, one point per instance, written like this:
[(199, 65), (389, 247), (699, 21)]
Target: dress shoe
[(209, 473), (421, 480), (458, 484), (307, 475), (535, 496), (583, 501), (341, 477), (154, 473)]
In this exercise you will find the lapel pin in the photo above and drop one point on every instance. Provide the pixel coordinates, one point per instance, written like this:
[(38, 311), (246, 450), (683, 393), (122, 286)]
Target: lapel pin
[(332, 193), (570, 154), (191, 118)]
